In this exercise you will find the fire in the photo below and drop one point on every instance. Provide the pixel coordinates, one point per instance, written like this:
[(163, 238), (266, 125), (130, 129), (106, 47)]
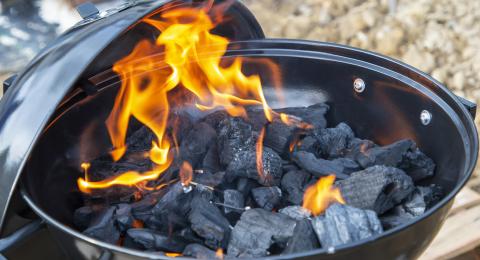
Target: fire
[(184, 55), (294, 121), (259, 153), (186, 174), (219, 253), (319, 196), (173, 255)]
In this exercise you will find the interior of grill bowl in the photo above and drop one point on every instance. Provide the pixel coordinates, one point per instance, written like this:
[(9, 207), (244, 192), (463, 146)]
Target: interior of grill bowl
[(385, 112)]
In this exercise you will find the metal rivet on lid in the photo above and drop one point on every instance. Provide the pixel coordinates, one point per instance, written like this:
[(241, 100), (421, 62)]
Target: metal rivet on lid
[(426, 117), (359, 85)]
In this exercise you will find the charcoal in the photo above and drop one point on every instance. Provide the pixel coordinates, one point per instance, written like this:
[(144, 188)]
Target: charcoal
[(377, 188), (333, 142), (189, 235), (142, 209), (82, 217), (403, 154), (123, 217), (309, 144), (417, 165), (289, 167), (257, 230), (313, 115), (140, 140), (343, 224), (234, 136), (278, 136), (293, 184), (198, 251), (357, 147), (244, 164), (153, 240), (303, 238), (214, 119), (209, 179), (233, 198), (171, 209), (389, 155), (196, 144), (211, 161), (296, 212), (267, 197), (245, 185), (340, 167), (208, 222), (179, 123), (103, 227)]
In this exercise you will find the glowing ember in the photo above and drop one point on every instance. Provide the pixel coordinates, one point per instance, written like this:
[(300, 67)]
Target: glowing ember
[(173, 254), (294, 121), (259, 153), (219, 253), (185, 54), (186, 174), (137, 224), (319, 196)]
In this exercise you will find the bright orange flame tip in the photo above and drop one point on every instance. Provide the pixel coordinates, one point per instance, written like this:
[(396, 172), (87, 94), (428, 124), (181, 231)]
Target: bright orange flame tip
[(173, 254), (259, 153), (219, 253), (319, 196), (186, 173)]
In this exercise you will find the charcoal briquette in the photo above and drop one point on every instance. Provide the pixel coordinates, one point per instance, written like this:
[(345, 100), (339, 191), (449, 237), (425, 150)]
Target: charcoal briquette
[(267, 197), (234, 136), (303, 238), (344, 224), (377, 188), (257, 230)]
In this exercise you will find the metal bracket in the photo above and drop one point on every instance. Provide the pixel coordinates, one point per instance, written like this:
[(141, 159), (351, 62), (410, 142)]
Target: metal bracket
[(87, 10), (8, 82), (469, 105)]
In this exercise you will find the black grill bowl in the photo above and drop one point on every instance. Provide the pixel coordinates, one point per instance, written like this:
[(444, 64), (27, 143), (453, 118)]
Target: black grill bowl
[(388, 110)]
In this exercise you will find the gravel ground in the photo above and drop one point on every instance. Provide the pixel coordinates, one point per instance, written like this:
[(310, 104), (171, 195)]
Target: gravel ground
[(440, 37)]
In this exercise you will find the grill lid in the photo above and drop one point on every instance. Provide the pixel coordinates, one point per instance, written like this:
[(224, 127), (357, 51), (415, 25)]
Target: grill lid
[(34, 95)]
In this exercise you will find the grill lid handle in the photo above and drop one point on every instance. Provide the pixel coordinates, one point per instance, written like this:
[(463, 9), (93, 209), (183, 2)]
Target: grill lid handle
[(469, 105)]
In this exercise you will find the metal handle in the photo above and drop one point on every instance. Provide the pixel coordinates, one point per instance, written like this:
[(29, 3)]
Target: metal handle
[(469, 105), (20, 235)]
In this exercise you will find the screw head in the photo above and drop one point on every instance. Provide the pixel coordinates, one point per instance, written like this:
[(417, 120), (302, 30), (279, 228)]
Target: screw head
[(359, 85), (426, 117)]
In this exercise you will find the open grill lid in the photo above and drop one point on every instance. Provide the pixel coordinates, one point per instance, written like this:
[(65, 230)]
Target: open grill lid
[(34, 95)]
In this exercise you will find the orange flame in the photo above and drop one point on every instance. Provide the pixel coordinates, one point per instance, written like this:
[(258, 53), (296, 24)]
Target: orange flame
[(186, 174), (219, 253), (319, 196), (259, 153), (137, 223), (173, 255), (185, 54)]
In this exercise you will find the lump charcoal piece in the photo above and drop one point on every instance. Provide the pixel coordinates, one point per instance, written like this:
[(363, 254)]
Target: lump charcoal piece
[(303, 238), (343, 224), (395, 217), (308, 144), (208, 222), (103, 227), (140, 140), (313, 115), (123, 216), (233, 198), (214, 119), (293, 185), (198, 251), (289, 167), (278, 136), (257, 230), (245, 185), (332, 142), (417, 165), (377, 188), (190, 235), (180, 123), (211, 161), (389, 155), (244, 164), (82, 217), (171, 209), (209, 179), (296, 212), (403, 154), (431, 194), (341, 167), (234, 136), (357, 148), (142, 209), (196, 144), (421, 199), (153, 240), (267, 197)]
